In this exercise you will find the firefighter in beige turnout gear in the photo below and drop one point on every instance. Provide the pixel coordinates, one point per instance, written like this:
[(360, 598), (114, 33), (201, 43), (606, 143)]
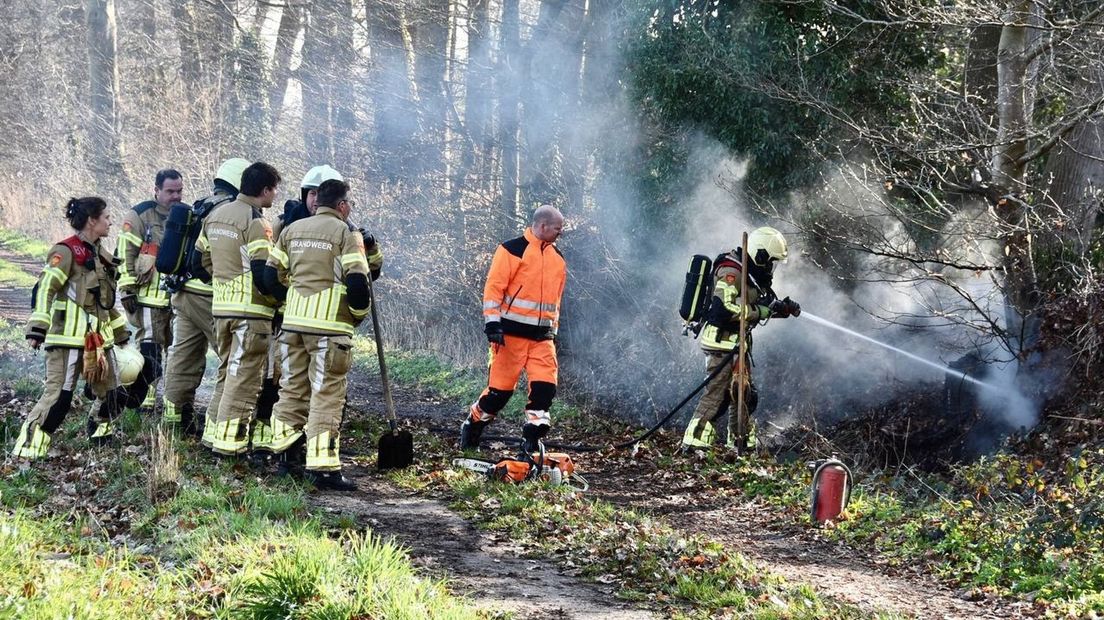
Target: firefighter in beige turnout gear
[(270, 386), (721, 335), (142, 296), (194, 327), (234, 247), (319, 267), (74, 316)]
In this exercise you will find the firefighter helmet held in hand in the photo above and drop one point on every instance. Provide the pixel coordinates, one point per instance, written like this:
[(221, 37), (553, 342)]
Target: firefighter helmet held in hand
[(766, 243), (231, 171), (318, 175), (129, 361)]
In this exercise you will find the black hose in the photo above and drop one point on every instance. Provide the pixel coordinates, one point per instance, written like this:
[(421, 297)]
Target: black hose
[(641, 437)]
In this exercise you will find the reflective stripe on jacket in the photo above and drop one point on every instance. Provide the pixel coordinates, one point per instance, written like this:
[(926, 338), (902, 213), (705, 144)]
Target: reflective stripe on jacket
[(233, 235), (143, 228), (313, 257), (524, 286), (722, 328), (76, 295)]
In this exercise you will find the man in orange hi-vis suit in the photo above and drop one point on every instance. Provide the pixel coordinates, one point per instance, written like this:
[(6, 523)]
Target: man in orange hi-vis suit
[(521, 310)]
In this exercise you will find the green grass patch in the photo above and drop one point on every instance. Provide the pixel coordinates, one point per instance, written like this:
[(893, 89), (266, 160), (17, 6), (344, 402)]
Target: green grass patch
[(225, 544), (22, 245), (14, 276)]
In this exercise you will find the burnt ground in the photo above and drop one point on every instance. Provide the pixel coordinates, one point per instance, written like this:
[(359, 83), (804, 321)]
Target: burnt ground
[(490, 569)]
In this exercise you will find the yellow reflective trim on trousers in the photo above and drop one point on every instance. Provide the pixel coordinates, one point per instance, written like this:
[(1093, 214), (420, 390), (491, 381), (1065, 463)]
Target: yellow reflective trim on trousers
[(225, 437), (103, 429), (36, 448), (261, 436), (170, 414), (283, 435), (692, 438), (319, 454)]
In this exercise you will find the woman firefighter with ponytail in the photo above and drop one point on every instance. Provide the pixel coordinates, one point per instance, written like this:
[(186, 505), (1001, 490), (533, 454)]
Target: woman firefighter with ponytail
[(74, 317)]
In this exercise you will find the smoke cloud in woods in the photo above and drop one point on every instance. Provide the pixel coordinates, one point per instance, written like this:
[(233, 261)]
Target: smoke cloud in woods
[(392, 129)]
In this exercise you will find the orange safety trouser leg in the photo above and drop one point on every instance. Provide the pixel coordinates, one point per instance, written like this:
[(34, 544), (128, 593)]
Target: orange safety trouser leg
[(543, 373), (505, 364)]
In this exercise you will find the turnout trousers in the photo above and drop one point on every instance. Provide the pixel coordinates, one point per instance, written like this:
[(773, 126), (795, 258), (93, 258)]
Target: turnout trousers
[(243, 355), (719, 398), (63, 369), (313, 382), (193, 332)]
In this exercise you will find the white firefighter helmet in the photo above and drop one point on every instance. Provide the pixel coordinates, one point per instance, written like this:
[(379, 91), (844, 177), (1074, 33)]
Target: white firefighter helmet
[(765, 243), (318, 175), (129, 362), (231, 171)]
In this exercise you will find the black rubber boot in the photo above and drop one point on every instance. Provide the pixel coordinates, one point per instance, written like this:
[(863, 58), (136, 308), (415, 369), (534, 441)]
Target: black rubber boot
[(531, 438), (330, 481), (470, 432), (257, 460), (290, 462), (190, 423)]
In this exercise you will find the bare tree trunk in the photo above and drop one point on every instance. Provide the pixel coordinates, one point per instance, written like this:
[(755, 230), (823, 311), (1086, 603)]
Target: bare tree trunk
[(543, 99), (429, 30), (191, 65), (1014, 98), (106, 149), (393, 121), (291, 19), (478, 85), (508, 82), (1075, 170)]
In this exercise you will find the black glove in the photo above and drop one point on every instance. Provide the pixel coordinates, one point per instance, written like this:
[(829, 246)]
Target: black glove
[(494, 333), (369, 241), (130, 303), (784, 308)]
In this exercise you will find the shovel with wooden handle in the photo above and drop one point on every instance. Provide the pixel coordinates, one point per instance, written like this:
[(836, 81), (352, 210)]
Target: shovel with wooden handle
[(396, 448)]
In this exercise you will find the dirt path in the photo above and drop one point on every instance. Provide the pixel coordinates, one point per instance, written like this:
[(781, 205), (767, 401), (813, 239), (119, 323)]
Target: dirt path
[(15, 301), (486, 568)]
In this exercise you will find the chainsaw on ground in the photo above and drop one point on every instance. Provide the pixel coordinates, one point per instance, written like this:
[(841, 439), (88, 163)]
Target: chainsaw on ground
[(555, 468)]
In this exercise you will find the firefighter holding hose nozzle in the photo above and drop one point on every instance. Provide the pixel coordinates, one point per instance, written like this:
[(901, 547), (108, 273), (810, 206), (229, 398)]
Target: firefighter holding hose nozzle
[(720, 336)]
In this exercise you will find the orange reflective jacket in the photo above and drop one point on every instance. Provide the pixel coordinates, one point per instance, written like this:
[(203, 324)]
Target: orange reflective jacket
[(524, 286)]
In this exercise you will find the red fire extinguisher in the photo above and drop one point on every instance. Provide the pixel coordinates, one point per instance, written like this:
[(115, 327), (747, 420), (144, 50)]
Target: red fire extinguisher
[(831, 489)]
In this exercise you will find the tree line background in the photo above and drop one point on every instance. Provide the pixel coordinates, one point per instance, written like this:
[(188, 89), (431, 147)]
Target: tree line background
[(937, 166)]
